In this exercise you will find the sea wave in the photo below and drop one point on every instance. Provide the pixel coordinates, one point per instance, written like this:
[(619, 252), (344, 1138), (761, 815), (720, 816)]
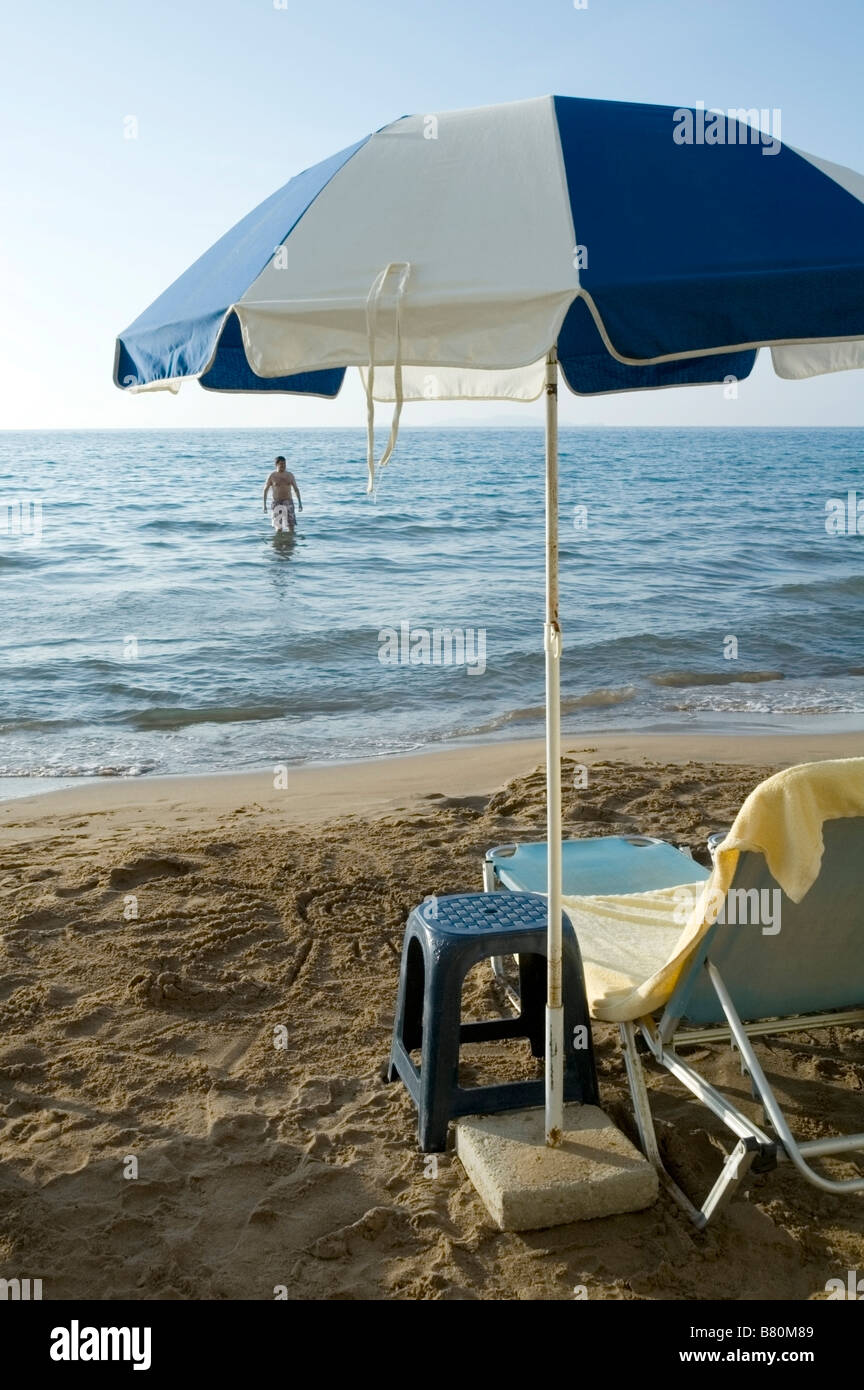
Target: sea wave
[(604, 698), (803, 702), (178, 717), (679, 679), (846, 585), (62, 769)]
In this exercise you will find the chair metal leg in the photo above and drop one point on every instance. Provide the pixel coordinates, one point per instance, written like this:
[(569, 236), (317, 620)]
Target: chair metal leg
[(639, 1095), (787, 1144), (497, 962), (734, 1170), (753, 1141), (645, 1122)]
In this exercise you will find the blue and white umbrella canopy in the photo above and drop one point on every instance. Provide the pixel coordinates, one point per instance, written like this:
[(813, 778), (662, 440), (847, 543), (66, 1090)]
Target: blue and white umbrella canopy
[(450, 256), (657, 247)]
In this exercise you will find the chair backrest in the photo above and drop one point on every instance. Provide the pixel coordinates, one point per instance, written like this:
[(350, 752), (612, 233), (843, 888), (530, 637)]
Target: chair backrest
[(813, 963)]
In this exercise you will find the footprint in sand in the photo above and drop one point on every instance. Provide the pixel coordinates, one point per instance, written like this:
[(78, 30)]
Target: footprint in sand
[(147, 867)]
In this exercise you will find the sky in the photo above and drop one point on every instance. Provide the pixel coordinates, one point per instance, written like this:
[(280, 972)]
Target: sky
[(227, 100)]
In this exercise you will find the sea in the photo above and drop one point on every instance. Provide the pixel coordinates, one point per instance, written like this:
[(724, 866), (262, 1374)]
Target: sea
[(152, 621)]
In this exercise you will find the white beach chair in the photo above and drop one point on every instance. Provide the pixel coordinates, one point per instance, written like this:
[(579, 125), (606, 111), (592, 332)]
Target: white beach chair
[(777, 932)]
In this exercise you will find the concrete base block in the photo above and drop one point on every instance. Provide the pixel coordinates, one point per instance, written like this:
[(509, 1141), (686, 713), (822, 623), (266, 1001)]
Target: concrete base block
[(595, 1171)]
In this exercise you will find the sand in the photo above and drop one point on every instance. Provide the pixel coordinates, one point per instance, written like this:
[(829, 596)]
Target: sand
[(274, 916)]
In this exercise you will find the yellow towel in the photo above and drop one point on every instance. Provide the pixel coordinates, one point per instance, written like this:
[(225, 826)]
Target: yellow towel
[(782, 819)]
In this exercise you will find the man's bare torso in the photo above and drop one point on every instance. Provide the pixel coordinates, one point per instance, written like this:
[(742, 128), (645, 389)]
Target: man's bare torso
[(281, 483)]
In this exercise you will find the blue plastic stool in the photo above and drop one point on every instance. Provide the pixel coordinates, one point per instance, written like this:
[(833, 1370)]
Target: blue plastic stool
[(444, 938)]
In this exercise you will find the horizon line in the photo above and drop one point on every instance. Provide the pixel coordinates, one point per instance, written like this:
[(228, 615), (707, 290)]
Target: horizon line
[(361, 429)]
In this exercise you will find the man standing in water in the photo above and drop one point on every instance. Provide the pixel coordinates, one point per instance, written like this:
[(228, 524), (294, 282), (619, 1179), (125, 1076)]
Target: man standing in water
[(284, 485)]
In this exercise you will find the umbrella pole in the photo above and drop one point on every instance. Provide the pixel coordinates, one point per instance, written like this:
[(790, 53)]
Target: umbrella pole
[(552, 644)]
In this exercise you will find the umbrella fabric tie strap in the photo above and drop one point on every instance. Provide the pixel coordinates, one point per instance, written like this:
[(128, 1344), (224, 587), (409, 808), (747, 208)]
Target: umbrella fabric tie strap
[(552, 639), (372, 302)]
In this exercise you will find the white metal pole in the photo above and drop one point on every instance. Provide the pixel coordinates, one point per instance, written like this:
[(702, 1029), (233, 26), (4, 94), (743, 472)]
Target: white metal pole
[(552, 644)]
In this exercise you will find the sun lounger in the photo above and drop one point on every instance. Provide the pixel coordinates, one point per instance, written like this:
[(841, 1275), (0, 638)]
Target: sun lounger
[(776, 932), (605, 864)]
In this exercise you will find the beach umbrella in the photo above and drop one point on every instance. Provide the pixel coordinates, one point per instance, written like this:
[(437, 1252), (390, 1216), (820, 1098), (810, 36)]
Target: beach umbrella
[(475, 254)]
